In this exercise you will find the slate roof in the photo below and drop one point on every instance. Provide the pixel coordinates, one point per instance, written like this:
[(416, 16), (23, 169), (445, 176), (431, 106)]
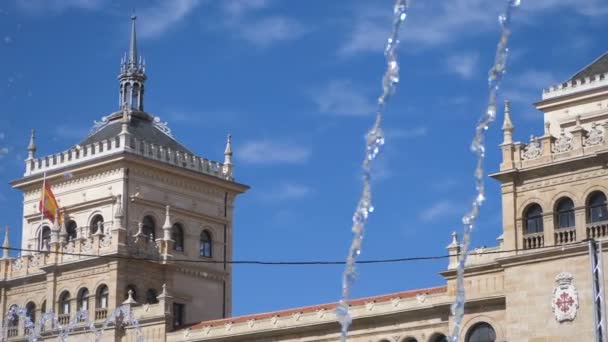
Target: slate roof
[(139, 128), (598, 66)]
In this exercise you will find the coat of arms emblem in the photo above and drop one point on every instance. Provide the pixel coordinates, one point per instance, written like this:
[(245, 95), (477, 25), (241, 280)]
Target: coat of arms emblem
[(565, 298)]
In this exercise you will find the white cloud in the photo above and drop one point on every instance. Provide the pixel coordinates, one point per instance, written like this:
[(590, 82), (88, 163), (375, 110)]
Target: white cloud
[(407, 133), (239, 8), (272, 152), (341, 97), (440, 209), (463, 65), (434, 24), (287, 191), (157, 19), (269, 30), (42, 6), (3, 151), (247, 20)]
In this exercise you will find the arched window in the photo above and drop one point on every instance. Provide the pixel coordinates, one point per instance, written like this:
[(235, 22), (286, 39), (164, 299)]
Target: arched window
[(564, 212), (596, 207), (30, 311), (177, 235), (102, 297), (533, 219), (13, 321), (481, 332), (133, 290), (96, 224), (83, 299), (410, 339), (151, 296), (43, 307), (44, 239), (64, 303), (71, 229), (149, 227), (439, 338), (205, 245)]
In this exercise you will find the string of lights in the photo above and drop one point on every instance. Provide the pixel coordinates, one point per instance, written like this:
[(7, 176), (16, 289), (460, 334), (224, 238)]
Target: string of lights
[(480, 251)]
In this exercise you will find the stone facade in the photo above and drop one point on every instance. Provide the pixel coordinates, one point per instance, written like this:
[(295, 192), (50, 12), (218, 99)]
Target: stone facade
[(147, 225)]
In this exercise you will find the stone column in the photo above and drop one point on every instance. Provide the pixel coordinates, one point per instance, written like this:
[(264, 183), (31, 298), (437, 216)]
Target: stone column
[(580, 221)]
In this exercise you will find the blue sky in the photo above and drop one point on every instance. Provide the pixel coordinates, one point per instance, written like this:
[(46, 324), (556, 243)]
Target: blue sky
[(295, 83)]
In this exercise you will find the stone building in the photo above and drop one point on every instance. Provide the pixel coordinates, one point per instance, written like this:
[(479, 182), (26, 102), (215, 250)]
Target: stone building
[(137, 207), (147, 226), (534, 286)]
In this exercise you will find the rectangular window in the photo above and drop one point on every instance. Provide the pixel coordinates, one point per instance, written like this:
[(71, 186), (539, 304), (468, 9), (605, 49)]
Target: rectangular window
[(178, 315)]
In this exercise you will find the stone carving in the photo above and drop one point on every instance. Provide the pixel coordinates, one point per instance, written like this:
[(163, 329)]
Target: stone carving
[(395, 301), (421, 297), (532, 150), (565, 298), (106, 240), (228, 326), (296, 316), (274, 319), (162, 126), (87, 247), (595, 136), (17, 264), (207, 330), (98, 125), (563, 143), (321, 313), (369, 306), (251, 323)]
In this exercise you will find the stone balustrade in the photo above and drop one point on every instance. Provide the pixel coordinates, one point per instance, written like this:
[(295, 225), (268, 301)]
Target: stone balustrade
[(597, 230), (549, 149), (564, 236), (117, 145), (101, 314), (573, 86), (534, 240)]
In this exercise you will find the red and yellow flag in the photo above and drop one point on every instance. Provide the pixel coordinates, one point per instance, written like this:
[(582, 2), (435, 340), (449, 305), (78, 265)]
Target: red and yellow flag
[(48, 204)]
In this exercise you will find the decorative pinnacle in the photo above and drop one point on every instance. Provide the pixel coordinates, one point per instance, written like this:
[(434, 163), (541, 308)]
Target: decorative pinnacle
[(228, 151), (454, 240), (547, 128), (578, 121), (5, 245), (507, 125), (167, 224), (133, 46), (31, 147)]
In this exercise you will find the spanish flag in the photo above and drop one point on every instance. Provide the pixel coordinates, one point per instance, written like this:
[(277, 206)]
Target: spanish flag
[(48, 204)]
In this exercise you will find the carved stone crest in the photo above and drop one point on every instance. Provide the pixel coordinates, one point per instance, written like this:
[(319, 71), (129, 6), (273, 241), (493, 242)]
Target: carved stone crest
[(532, 150), (565, 298), (563, 143), (595, 136), (421, 297)]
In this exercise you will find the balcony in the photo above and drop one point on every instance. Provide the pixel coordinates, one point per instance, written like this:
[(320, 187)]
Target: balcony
[(565, 235), (101, 314), (534, 240), (596, 230), (12, 331), (64, 319)]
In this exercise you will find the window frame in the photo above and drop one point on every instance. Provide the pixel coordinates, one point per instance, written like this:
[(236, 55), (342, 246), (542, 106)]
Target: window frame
[(205, 248), (536, 218), (597, 212), (565, 217)]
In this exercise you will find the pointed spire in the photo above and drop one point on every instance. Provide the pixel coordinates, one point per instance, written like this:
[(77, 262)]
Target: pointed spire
[(228, 151), (133, 45), (167, 226), (6, 245), (31, 147), (507, 125)]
